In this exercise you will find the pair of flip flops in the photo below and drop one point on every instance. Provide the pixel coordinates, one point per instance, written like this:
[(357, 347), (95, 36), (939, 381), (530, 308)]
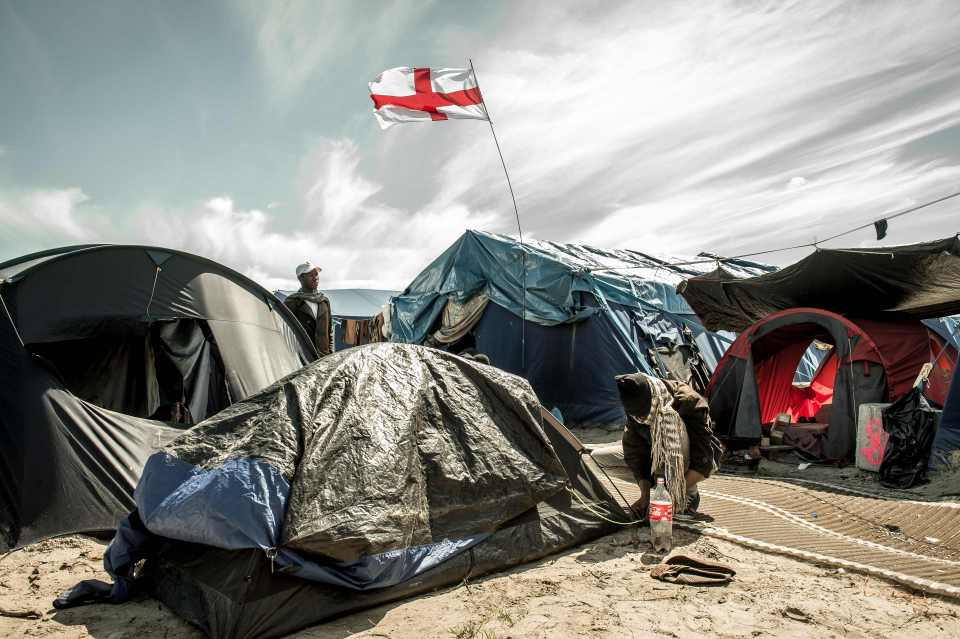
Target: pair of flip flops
[(692, 571)]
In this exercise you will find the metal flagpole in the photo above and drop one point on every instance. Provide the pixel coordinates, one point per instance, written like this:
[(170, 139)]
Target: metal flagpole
[(516, 210)]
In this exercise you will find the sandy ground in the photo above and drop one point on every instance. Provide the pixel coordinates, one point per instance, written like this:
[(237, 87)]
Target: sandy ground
[(603, 589)]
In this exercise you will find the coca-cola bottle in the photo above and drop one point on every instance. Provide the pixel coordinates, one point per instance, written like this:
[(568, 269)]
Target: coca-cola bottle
[(660, 517)]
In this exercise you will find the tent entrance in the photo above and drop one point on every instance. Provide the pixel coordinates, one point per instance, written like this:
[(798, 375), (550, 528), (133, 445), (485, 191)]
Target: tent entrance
[(782, 360), (166, 370)]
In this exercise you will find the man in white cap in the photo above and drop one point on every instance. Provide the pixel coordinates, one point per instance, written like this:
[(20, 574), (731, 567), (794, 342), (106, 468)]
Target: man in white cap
[(312, 308)]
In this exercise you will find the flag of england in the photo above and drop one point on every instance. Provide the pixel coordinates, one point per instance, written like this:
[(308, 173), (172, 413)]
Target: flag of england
[(408, 94)]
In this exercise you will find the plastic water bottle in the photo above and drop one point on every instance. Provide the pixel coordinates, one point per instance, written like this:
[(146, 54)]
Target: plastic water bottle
[(660, 517)]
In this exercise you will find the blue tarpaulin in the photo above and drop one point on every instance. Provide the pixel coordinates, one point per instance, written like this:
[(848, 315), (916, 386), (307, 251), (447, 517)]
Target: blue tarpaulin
[(590, 313), (947, 440)]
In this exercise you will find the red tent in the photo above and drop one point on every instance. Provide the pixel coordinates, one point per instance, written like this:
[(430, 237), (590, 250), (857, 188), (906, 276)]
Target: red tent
[(871, 361)]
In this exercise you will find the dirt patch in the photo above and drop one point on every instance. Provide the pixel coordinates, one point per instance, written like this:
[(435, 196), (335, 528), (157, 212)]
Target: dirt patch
[(602, 589)]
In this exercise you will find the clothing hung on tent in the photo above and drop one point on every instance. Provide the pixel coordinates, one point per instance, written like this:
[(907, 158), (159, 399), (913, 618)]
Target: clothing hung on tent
[(355, 312)]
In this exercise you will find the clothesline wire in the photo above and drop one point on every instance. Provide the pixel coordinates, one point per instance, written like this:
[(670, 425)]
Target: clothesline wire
[(814, 244)]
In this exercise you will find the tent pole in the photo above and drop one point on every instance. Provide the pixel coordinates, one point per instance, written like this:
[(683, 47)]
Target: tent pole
[(516, 210), (13, 324)]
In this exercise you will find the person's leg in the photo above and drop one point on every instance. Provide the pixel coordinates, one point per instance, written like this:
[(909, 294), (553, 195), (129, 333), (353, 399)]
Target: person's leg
[(637, 455), (641, 506), (702, 462), (693, 478)]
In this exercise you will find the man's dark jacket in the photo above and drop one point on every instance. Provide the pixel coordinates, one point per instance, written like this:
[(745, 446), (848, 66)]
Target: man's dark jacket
[(319, 328)]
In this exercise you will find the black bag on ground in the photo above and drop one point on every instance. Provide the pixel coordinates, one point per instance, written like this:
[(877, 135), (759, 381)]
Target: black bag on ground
[(912, 425)]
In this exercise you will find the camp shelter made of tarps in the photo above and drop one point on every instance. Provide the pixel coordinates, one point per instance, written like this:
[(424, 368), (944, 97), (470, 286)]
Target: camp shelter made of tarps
[(871, 361), (102, 347), (370, 475), (914, 281), (350, 304), (590, 314)]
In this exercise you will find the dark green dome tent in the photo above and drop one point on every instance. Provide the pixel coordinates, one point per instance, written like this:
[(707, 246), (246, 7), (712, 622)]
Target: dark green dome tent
[(101, 346)]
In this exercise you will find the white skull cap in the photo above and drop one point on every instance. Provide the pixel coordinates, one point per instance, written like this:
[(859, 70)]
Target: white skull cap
[(306, 267)]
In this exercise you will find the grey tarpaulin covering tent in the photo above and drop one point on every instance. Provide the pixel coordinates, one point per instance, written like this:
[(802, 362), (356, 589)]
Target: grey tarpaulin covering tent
[(97, 340), (373, 474), (591, 314)]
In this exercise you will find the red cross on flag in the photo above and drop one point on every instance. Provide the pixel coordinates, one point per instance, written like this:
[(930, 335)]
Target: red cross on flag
[(407, 94)]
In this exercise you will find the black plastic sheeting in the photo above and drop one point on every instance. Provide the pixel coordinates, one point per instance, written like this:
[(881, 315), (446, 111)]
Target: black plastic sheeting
[(65, 465), (384, 447), (916, 280), (912, 426), (238, 595)]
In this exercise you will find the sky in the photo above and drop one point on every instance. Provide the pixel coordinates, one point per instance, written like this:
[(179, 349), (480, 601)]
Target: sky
[(243, 131)]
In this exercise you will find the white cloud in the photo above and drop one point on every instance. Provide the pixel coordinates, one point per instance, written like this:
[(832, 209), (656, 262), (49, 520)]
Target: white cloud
[(760, 215), (30, 218), (357, 241), (796, 182)]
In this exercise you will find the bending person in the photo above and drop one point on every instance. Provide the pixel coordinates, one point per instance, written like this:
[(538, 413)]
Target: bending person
[(668, 433)]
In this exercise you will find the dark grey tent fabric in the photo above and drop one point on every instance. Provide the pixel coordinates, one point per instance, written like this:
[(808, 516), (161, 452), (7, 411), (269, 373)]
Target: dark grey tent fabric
[(372, 474), (105, 284), (65, 465), (917, 280), (86, 320)]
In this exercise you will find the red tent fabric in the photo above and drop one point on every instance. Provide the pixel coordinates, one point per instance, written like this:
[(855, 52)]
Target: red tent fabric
[(904, 348), (774, 375), (872, 361)]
